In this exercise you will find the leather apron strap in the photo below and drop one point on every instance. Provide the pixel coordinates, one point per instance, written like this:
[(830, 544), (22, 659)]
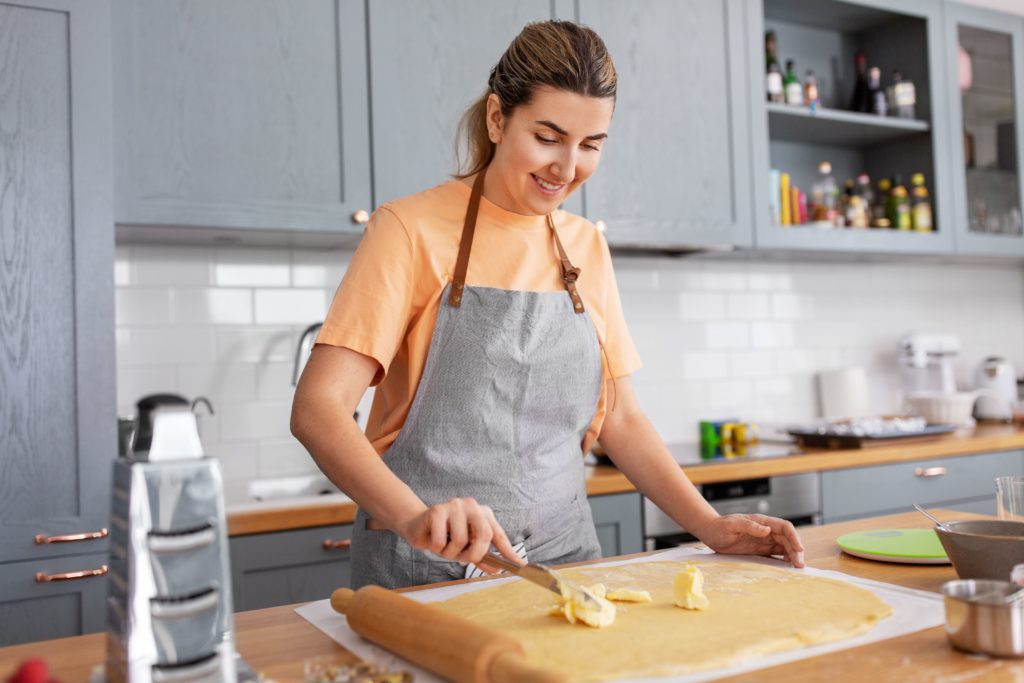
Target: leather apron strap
[(570, 273)]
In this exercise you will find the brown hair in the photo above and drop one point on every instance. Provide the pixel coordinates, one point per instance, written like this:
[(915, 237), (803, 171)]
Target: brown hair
[(560, 54)]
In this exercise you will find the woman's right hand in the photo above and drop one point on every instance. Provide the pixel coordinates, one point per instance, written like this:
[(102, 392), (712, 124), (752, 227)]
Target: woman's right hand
[(461, 530)]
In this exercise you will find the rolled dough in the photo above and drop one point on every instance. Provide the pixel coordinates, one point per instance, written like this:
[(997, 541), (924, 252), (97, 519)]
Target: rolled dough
[(753, 610)]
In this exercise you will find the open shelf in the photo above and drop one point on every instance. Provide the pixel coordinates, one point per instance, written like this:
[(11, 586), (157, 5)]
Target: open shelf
[(838, 127)]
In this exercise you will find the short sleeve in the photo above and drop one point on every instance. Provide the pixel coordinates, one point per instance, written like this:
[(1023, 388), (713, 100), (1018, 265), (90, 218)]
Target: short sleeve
[(371, 309), (622, 356)]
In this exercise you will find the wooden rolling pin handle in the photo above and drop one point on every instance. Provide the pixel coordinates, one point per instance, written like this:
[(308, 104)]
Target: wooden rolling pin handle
[(447, 645)]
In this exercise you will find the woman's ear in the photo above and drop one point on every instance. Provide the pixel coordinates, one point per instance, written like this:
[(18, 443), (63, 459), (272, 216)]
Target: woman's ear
[(495, 119)]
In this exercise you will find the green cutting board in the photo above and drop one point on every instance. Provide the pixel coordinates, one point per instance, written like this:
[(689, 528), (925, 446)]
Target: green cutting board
[(912, 546)]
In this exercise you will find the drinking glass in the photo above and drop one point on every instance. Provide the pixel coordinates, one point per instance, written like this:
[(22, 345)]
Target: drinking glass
[(1010, 498)]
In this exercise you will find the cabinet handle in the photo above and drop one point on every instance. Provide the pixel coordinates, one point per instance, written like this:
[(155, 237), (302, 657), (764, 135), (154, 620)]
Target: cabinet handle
[(929, 471), (42, 539), (330, 544), (361, 216), (42, 577)]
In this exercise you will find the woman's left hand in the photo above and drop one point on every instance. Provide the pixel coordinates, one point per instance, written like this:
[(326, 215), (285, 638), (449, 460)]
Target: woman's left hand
[(754, 535)]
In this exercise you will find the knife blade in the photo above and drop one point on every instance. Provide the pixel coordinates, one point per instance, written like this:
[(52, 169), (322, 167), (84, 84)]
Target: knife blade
[(541, 575)]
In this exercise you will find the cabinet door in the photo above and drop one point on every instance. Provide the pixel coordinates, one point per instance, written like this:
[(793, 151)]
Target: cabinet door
[(285, 567), (31, 610), (676, 168), (241, 114), (57, 405), (618, 523), (417, 103), (985, 58)]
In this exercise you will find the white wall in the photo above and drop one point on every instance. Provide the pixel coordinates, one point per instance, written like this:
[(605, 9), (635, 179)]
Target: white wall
[(718, 339), (1015, 6)]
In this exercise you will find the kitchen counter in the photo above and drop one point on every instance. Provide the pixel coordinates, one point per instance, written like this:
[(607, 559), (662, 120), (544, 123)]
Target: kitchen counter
[(276, 641), (763, 460)]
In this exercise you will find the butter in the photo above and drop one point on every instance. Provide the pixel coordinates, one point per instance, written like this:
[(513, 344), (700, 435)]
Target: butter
[(628, 595), (575, 607), (688, 589)]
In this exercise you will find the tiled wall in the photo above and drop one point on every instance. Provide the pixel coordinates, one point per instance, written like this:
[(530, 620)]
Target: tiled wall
[(718, 338)]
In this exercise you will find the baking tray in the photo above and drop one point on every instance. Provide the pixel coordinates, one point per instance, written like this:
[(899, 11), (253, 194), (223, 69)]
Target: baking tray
[(813, 437)]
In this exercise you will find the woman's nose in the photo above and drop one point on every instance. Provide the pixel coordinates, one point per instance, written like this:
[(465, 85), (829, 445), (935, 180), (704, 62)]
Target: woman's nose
[(563, 169)]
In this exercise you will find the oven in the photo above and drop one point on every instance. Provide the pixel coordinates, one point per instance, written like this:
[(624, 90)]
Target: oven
[(795, 497)]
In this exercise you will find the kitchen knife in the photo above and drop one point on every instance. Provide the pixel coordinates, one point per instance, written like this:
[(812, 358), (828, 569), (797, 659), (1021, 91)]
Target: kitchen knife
[(543, 576)]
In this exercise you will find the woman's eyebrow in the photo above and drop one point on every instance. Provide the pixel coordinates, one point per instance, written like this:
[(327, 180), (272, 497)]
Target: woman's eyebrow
[(558, 129)]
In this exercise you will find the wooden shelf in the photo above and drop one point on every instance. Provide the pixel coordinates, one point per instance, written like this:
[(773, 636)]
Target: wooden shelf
[(837, 127)]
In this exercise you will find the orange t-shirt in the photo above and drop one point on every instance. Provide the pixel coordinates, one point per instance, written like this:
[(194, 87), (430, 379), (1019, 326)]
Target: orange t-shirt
[(387, 303)]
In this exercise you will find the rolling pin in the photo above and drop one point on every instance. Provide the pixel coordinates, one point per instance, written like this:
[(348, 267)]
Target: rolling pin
[(443, 643)]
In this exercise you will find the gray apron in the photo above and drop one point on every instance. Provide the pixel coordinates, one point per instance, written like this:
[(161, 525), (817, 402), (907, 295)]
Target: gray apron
[(510, 386)]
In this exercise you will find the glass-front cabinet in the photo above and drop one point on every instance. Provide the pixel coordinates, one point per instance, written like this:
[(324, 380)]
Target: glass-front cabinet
[(850, 128), (985, 68)]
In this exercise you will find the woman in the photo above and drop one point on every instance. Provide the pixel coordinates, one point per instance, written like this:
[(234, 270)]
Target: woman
[(497, 361)]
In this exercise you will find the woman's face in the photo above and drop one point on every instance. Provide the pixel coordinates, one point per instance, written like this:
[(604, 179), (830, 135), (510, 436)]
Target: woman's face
[(545, 149)]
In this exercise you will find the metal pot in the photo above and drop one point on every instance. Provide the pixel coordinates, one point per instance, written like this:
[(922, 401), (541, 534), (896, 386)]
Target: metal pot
[(979, 619)]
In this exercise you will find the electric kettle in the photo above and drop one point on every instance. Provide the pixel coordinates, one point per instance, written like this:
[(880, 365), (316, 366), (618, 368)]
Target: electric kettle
[(996, 382)]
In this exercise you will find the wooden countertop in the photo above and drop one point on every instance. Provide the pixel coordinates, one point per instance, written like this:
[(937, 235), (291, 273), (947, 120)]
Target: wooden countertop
[(276, 641), (767, 460)]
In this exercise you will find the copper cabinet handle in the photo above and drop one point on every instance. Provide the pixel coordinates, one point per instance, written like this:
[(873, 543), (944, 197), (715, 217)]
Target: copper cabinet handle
[(43, 577), (929, 471), (42, 539), (361, 216), (330, 544)]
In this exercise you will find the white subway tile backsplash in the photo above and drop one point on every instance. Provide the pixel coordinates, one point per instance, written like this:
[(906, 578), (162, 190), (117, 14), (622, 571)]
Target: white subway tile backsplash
[(213, 306), (269, 344), (753, 306), (701, 305), (290, 306), (324, 269), (718, 339), (708, 365), (165, 265), (727, 335), (237, 267), (143, 306)]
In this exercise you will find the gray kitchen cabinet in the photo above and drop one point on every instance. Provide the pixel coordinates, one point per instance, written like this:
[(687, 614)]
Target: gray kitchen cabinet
[(235, 115), (676, 168), (984, 71), (57, 399), (417, 103), (31, 610), (285, 567), (619, 523), (959, 483), (903, 35)]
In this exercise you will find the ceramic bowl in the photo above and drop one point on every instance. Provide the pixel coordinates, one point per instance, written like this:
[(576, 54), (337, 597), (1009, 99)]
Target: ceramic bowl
[(940, 408), (983, 549)]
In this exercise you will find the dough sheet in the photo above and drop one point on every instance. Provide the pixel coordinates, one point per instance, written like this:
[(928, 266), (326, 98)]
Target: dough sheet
[(754, 610)]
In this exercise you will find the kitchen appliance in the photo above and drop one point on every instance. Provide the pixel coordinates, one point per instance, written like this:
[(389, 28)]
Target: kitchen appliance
[(996, 381), (907, 546), (795, 497), (169, 612), (927, 362)]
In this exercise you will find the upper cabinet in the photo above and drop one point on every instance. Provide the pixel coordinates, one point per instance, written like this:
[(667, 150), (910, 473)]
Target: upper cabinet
[(985, 68), (235, 115), (675, 170), (429, 61), (869, 133)]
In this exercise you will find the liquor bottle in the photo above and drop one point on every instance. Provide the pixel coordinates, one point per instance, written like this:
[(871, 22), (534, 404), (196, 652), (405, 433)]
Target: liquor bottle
[(860, 88), (920, 204), (794, 91), (864, 189), (902, 96), (880, 220), (811, 96), (876, 96), (897, 209), (823, 209), (844, 203), (773, 75)]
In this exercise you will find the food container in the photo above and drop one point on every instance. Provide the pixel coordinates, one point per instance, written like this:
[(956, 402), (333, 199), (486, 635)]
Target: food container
[(944, 408), (983, 549), (979, 619)]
